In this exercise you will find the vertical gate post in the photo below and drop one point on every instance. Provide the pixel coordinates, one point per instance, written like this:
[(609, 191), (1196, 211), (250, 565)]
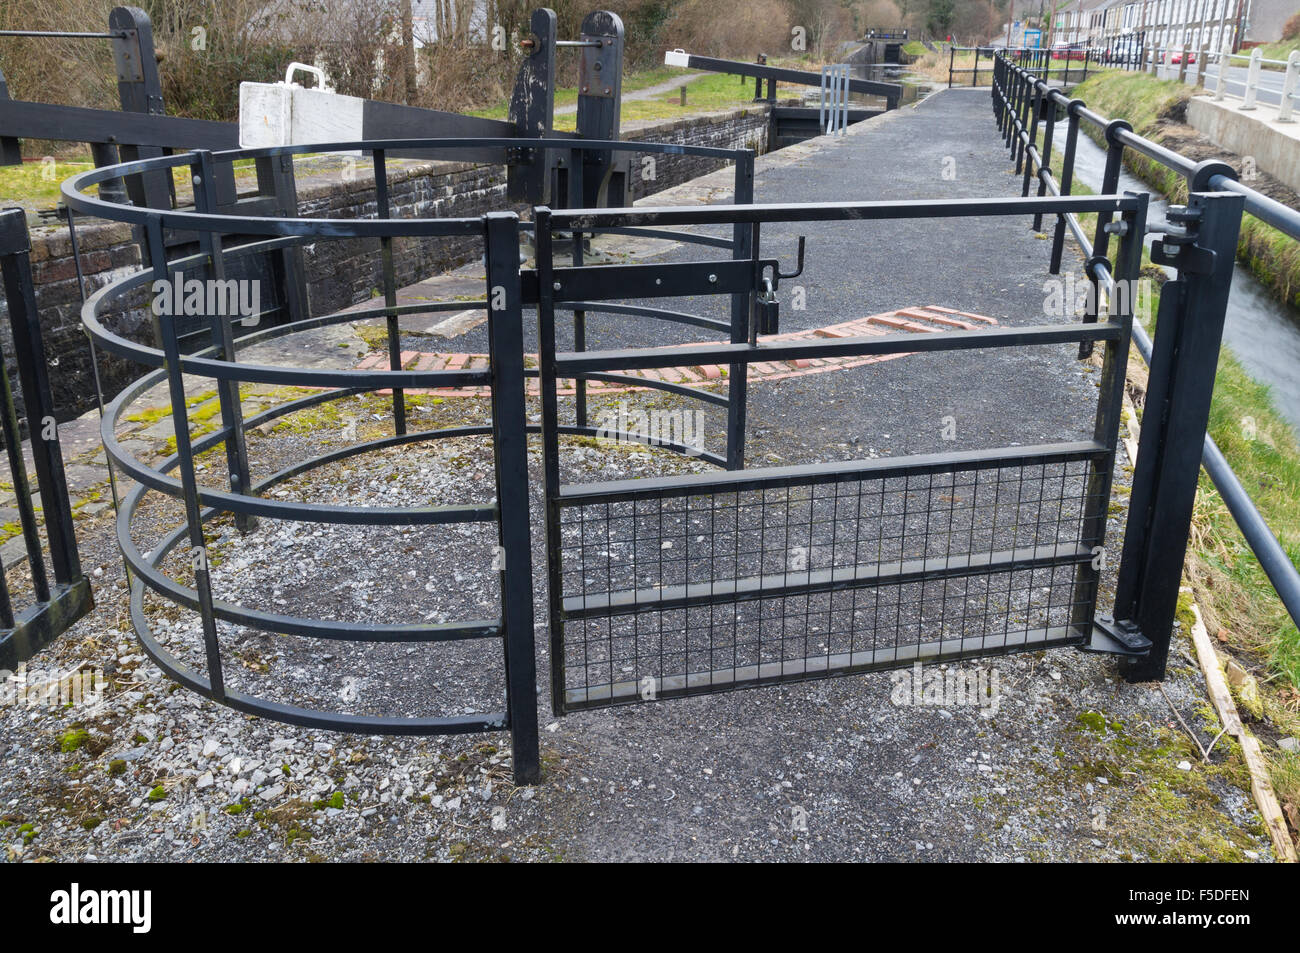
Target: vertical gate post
[(394, 328), (1067, 179), (1101, 237), (11, 152), (26, 630), (575, 179), (1110, 403), (1036, 106), (38, 403), (140, 89), (741, 305), (1184, 357), (1049, 133), (546, 376), (510, 447)]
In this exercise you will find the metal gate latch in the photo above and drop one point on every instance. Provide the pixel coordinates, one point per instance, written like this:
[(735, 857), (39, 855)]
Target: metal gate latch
[(769, 310)]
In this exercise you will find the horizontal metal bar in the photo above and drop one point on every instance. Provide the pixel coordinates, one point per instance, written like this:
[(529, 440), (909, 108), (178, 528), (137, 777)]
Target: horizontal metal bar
[(651, 383), (692, 238), (74, 189), (26, 120), (821, 666), (644, 311), (1166, 157), (568, 362), (781, 585), (65, 34), (1267, 210), (607, 282), (586, 219), (622, 436), (838, 471), (796, 76)]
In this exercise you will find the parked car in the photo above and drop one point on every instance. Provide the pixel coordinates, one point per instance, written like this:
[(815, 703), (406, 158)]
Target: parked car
[(1067, 53), (1122, 55), (1177, 57)]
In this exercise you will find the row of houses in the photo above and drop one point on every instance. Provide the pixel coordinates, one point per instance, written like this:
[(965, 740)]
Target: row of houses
[(1168, 24)]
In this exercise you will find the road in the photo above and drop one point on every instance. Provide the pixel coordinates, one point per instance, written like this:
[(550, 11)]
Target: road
[(1270, 81)]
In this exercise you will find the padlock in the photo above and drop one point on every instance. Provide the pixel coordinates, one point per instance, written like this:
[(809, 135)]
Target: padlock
[(769, 313)]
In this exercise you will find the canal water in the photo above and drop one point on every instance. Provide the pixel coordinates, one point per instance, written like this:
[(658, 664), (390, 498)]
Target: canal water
[(1261, 331)]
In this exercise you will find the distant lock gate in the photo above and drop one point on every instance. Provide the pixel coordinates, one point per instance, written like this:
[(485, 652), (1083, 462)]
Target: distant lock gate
[(998, 545)]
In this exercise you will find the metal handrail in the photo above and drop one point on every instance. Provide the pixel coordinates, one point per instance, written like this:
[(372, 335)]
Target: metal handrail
[(1204, 176)]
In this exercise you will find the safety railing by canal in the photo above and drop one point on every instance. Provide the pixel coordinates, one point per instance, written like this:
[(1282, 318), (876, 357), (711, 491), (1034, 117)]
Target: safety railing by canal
[(1025, 106)]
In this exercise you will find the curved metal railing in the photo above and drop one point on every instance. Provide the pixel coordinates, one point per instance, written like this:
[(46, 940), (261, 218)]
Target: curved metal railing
[(218, 360)]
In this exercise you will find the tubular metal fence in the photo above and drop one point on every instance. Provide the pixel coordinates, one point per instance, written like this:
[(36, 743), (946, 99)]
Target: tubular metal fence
[(1025, 105)]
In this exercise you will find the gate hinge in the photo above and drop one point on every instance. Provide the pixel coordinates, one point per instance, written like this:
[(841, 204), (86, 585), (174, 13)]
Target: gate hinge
[(1178, 248), (1116, 638), (1188, 259)]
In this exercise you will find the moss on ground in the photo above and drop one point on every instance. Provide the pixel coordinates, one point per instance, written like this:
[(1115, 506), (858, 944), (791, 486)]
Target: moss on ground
[(1151, 809)]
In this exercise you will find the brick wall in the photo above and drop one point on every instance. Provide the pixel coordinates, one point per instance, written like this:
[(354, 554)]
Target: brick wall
[(339, 273)]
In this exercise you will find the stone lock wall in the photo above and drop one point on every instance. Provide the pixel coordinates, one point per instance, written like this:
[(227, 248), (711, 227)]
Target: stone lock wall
[(339, 273)]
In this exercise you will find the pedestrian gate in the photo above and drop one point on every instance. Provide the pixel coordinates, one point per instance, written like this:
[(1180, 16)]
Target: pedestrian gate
[(686, 585), (682, 584)]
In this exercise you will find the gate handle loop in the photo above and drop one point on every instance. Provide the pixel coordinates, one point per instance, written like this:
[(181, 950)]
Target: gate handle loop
[(778, 275)]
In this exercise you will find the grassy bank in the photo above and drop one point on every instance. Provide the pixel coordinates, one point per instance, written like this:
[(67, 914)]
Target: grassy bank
[(1144, 101), (1278, 51), (936, 67)]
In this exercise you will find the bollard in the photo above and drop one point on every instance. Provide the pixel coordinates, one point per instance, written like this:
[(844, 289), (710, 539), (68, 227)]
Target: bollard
[(683, 95), (1225, 60), (1252, 78), (1289, 87)]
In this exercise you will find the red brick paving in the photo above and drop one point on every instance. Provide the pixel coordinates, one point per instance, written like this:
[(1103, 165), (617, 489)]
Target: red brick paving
[(931, 318)]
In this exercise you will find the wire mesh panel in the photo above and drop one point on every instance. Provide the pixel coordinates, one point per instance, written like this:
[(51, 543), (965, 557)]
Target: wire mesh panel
[(678, 588)]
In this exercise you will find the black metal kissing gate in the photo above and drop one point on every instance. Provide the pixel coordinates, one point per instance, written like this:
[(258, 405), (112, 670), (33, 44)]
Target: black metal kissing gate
[(686, 585), (179, 568)]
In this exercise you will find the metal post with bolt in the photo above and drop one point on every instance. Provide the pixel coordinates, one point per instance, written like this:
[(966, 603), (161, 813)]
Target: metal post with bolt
[(1201, 242)]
